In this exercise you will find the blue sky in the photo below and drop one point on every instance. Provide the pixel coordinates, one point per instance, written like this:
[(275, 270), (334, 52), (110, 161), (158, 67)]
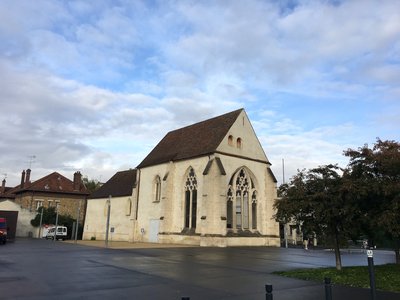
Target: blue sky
[(94, 85)]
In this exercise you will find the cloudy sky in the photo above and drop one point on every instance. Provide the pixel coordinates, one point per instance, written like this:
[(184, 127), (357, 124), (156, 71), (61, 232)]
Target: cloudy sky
[(94, 85)]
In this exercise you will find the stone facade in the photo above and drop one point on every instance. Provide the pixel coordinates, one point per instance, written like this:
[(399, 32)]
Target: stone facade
[(208, 184), (51, 190), (119, 194), (121, 219), (164, 220), (67, 204)]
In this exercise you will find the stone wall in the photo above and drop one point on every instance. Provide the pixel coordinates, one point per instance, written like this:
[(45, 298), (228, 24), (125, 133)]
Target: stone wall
[(122, 211), (67, 204)]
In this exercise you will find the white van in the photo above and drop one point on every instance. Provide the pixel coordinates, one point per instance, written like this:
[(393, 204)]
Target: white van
[(61, 233)]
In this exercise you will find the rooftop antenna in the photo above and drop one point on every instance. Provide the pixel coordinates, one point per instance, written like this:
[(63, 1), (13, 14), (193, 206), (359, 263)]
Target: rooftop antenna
[(31, 160), (5, 176)]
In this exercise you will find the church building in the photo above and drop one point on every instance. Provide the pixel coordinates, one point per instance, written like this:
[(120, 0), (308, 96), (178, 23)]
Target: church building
[(207, 184)]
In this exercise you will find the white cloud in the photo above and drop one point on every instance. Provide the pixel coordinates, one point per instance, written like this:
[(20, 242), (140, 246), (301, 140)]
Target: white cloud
[(83, 84)]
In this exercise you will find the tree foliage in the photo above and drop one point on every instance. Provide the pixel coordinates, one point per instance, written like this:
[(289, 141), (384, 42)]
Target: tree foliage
[(376, 175), (362, 199), (91, 184), (317, 200), (49, 217)]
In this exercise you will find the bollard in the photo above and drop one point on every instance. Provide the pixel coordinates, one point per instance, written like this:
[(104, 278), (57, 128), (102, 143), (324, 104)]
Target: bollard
[(370, 255), (328, 289), (268, 289)]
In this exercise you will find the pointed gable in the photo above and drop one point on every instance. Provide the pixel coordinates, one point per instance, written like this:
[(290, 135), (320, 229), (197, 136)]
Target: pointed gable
[(121, 184), (241, 141), (192, 141)]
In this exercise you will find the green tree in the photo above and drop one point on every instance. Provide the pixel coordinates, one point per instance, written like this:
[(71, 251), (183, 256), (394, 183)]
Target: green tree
[(375, 173), (49, 217), (318, 201), (91, 184)]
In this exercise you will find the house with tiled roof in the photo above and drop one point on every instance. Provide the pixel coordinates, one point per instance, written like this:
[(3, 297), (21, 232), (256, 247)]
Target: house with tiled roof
[(21, 203), (52, 190), (118, 196), (207, 184), (5, 191)]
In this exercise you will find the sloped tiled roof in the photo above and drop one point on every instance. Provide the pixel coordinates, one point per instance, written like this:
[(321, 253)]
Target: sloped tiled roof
[(7, 193), (52, 183), (195, 140), (121, 184)]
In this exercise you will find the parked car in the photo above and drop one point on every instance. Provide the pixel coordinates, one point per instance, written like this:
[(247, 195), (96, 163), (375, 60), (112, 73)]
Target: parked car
[(3, 230), (61, 233)]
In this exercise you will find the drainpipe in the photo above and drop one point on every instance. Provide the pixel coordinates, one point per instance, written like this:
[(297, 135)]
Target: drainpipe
[(137, 193)]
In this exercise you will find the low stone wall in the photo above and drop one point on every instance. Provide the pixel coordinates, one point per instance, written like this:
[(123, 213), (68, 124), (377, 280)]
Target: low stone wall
[(219, 241), (179, 239)]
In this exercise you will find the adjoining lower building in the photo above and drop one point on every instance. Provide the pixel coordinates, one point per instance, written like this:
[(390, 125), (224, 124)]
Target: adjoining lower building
[(117, 197), (207, 184)]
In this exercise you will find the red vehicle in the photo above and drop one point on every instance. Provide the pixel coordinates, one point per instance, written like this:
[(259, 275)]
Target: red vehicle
[(3, 230)]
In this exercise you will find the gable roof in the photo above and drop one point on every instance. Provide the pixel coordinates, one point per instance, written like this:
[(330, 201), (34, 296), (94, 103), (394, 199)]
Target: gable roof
[(121, 184), (52, 183), (7, 193), (195, 140)]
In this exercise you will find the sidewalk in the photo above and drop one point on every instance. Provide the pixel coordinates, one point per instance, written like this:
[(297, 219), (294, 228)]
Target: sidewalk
[(126, 245)]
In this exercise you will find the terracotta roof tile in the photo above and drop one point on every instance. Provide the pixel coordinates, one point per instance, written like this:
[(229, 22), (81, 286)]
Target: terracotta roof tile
[(54, 183), (195, 140), (7, 193)]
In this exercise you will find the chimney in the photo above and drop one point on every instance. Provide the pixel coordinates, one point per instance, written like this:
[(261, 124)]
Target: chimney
[(22, 178), (28, 175), (3, 187), (77, 180)]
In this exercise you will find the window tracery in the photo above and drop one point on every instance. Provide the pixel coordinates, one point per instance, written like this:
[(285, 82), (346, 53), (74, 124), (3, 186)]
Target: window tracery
[(191, 200), (241, 202)]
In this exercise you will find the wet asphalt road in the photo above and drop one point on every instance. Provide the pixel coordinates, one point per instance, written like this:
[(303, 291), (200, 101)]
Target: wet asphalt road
[(41, 269)]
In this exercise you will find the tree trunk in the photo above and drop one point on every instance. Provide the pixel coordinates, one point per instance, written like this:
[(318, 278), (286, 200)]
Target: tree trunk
[(337, 252), (397, 250)]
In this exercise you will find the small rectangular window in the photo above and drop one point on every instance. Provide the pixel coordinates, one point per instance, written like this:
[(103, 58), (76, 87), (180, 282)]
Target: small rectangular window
[(39, 203)]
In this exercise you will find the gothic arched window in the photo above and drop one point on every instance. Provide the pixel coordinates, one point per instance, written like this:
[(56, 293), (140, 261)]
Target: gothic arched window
[(157, 189), (242, 197), (191, 200)]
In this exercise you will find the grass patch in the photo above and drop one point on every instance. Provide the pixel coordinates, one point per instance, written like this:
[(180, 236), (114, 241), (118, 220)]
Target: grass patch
[(387, 277)]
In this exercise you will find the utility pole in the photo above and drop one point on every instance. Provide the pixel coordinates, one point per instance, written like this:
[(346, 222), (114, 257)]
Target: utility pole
[(108, 219), (55, 232), (41, 219), (77, 221), (283, 182)]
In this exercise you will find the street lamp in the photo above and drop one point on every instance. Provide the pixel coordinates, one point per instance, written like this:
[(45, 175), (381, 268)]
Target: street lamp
[(55, 232), (41, 219), (77, 221)]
